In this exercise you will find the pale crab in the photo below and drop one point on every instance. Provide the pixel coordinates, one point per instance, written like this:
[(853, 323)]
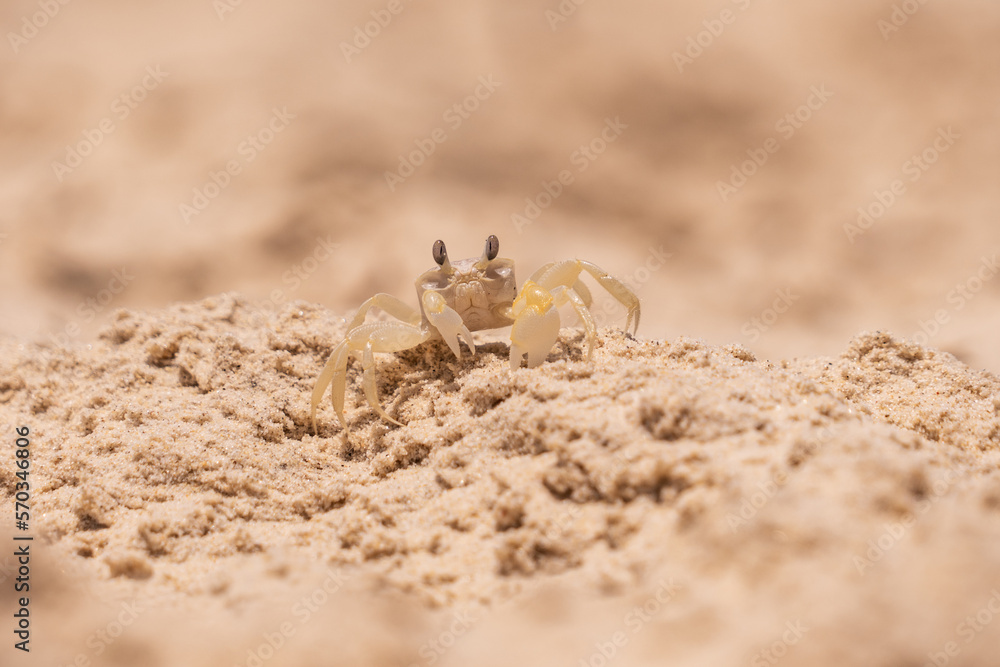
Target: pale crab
[(465, 296)]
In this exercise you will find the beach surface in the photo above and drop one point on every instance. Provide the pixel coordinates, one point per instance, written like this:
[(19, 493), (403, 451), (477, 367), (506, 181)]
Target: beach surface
[(668, 500)]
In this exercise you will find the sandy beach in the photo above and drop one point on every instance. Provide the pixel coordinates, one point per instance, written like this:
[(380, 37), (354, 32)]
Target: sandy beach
[(669, 498)]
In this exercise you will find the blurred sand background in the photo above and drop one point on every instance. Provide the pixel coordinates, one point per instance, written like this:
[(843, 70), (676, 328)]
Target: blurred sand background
[(175, 467), (225, 67)]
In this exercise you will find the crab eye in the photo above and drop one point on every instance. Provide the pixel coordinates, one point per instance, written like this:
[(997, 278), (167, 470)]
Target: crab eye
[(439, 252), (492, 247)]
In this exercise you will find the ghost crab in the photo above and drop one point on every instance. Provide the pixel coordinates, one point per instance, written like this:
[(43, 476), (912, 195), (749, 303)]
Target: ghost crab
[(457, 298)]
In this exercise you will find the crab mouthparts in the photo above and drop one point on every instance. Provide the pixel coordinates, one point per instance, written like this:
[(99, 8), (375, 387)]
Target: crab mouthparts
[(477, 318)]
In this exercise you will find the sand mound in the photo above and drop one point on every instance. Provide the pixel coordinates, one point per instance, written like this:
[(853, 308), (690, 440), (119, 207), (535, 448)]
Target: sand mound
[(670, 501)]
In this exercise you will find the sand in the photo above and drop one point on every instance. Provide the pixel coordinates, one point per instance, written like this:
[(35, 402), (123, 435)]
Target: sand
[(668, 502)]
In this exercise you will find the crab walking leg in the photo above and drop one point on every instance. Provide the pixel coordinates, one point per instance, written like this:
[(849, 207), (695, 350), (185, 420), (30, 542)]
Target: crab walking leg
[(390, 304), (448, 322), (334, 372), (619, 290), (371, 389), (384, 337), (567, 272), (562, 295), (367, 339), (536, 325), (580, 288), (537, 275)]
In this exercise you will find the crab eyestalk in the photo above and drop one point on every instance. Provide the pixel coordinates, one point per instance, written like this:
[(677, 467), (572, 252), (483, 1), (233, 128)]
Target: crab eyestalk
[(440, 254), (490, 252)]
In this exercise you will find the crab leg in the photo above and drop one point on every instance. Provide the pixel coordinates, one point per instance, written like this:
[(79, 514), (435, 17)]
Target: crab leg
[(579, 286), (390, 304), (567, 273), (334, 372), (562, 295), (367, 339), (371, 389)]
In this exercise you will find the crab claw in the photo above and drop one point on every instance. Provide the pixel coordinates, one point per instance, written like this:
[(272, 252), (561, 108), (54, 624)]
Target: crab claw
[(446, 320), (536, 325)]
